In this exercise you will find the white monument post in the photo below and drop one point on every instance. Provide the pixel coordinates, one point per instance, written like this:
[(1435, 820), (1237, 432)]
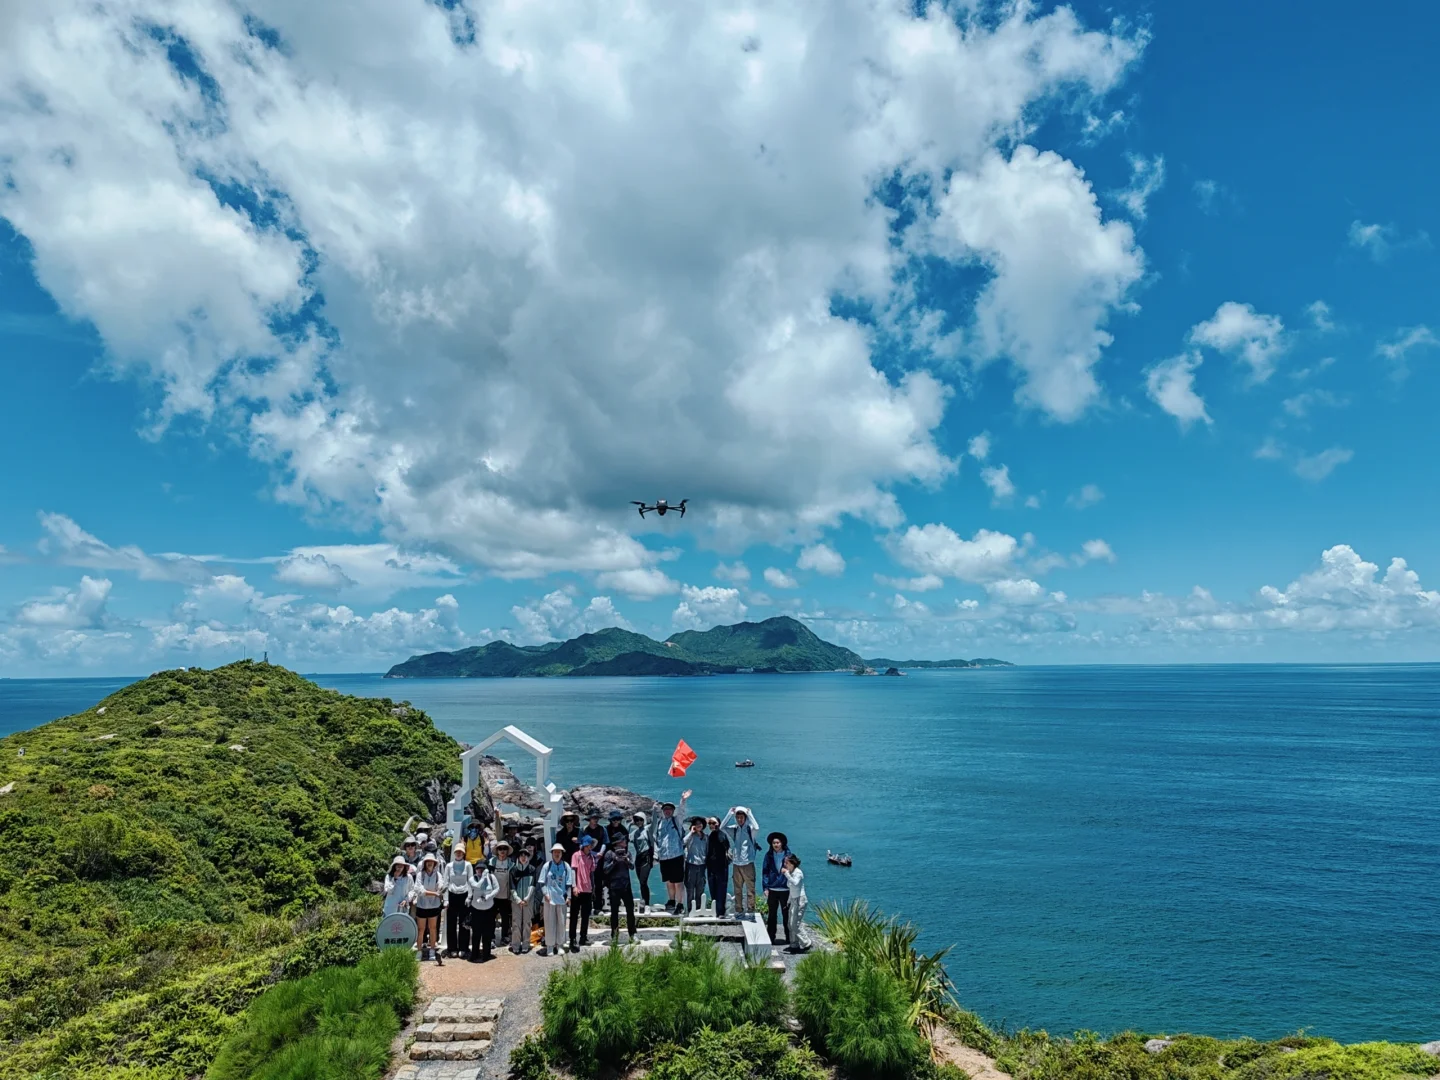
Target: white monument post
[(470, 780)]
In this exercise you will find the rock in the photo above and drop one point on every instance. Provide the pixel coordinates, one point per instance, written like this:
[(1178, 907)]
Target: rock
[(606, 798), (237, 748), (104, 738), (1431, 1048), (100, 711), (1155, 1046), (8, 788), (436, 794), (502, 785)]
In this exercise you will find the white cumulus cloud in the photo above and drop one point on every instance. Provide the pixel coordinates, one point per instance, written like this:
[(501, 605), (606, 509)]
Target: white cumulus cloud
[(1241, 331), (937, 549), (822, 559), (778, 579), (68, 609), (702, 608), (1171, 385), (644, 583), (1088, 495), (1147, 176), (997, 479)]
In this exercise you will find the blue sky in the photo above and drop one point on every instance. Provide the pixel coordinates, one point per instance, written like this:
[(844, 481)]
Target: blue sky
[(1094, 334)]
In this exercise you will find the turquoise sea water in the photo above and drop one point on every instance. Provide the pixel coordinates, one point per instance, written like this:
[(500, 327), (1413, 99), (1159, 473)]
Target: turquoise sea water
[(1229, 850)]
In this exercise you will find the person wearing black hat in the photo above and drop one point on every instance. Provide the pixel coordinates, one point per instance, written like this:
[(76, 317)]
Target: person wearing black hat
[(777, 889), (569, 835), (503, 864), (717, 865), (697, 849), (615, 872), (601, 835), (642, 849)]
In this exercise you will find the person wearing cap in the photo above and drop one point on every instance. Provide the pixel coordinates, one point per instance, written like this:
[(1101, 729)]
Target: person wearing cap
[(670, 852), (615, 827), (427, 900), (601, 836), (697, 849), (642, 852), (458, 878), (502, 864), (583, 864), (742, 830), (795, 881), (777, 889), (397, 886), (524, 899), (554, 881), (481, 902), (717, 865), (615, 870)]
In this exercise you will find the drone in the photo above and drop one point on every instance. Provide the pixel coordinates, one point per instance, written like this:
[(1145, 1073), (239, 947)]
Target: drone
[(661, 507)]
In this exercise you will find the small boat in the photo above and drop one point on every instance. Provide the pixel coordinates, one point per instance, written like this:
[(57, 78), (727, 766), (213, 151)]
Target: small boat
[(836, 859), (746, 764)]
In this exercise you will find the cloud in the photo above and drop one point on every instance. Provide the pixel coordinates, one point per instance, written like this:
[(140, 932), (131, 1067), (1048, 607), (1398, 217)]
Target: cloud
[(1317, 467), (68, 544), (979, 446), (647, 583), (1320, 316), (938, 550), (1398, 350), (1095, 551), (1089, 494), (822, 559), (1303, 403), (68, 609), (1059, 271), (1171, 385), (737, 573), (778, 579), (556, 616), (312, 572), (1147, 176), (395, 258), (1382, 241), (702, 608), (1238, 329), (997, 479), (923, 583), (1208, 195)]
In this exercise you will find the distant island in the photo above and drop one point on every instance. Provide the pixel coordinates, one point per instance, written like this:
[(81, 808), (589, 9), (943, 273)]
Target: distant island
[(780, 644), (981, 661)]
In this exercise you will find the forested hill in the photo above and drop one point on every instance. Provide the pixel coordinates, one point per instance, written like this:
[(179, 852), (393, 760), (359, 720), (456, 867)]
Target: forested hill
[(172, 851), (779, 644)]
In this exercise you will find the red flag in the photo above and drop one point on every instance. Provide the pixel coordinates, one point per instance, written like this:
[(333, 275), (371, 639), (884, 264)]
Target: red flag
[(682, 759)]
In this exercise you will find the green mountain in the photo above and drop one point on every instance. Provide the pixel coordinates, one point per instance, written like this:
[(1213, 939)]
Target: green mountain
[(189, 841), (779, 644), (983, 661)]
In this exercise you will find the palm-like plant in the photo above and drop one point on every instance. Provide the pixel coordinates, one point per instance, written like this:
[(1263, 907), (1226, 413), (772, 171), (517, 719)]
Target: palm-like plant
[(888, 943)]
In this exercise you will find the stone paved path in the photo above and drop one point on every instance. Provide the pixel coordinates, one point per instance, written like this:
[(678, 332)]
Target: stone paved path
[(455, 1032)]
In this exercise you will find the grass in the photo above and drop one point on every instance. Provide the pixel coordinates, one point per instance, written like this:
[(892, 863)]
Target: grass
[(747, 1052), (857, 1014), (609, 1009), (336, 1024)]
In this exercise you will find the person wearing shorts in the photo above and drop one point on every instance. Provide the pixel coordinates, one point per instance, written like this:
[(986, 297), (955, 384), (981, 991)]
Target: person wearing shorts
[(670, 852)]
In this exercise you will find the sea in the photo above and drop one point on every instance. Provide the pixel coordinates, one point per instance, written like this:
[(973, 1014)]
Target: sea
[(1229, 850)]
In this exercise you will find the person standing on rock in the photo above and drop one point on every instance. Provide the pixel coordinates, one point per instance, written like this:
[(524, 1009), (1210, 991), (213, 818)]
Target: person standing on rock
[(555, 881), (615, 871), (742, 830), (583, 865), (795, 879), (483, 888), (777, 889), (427, 900), (458, 878), (717, 865), (642, 850), (697, 850), (670, 852), (503, 865)]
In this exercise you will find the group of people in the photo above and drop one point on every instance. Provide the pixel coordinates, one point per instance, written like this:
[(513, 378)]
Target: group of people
[(490, 884)]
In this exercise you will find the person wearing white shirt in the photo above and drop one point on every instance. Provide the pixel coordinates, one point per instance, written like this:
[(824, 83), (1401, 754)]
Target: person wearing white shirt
[(483, 889), (427, 900), (397, 886), (458, 876), (799, 936)]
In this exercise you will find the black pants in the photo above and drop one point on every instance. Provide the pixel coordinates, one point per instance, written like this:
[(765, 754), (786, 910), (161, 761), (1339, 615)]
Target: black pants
[(457, 929), (778, 902), (717, 876), (502, 914), (482, 930), (616, 899), (580, 911), (694, 885), (643, 863)]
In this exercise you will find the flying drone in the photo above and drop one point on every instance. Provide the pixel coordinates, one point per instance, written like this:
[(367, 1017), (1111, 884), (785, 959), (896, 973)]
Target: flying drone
[(661, 507)]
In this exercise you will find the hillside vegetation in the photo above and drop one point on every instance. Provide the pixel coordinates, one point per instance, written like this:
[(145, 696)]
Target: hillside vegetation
[(779, 644), (193, 839)]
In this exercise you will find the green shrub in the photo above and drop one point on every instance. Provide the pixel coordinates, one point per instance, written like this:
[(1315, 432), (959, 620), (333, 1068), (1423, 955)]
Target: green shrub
[(858, 1014), (338, 1022), (747, 1052), (607, 1009), (530, 1060), (335, 946), (972, 1031)]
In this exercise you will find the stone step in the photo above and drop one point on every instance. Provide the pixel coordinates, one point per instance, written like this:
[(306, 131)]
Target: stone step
[(453, 1032), (437, 1070), (460, 1050), (462, 1010)]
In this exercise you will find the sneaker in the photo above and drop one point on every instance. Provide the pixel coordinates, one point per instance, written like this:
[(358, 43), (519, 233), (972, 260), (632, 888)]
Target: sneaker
[(584, 941), (574, 947), (542, 951), (632, 939)]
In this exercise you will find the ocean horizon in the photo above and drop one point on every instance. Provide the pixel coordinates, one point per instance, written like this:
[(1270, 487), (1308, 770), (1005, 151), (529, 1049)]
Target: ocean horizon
[(1236, 849)]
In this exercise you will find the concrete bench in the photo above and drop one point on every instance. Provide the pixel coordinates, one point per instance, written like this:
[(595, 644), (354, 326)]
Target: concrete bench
[(757, 941)]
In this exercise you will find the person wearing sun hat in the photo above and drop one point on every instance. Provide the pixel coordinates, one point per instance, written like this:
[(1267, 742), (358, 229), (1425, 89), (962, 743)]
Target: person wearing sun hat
[(502, 865), (411, 850), (777, 889), (740, 826), (397, 885), (555, 882), (427, 898), (458, 879)]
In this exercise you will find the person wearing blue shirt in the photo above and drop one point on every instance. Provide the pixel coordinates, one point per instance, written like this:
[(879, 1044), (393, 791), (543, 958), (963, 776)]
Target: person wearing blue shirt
[(670, 852), (741, 828), (777, 889), (556, 882), (697, 849)]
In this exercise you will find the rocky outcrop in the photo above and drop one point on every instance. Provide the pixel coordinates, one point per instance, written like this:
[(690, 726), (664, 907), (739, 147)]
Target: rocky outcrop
[(605, 798), (436, 793)]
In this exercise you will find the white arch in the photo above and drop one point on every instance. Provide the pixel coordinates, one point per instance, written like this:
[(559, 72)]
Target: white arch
[(470, 780)]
